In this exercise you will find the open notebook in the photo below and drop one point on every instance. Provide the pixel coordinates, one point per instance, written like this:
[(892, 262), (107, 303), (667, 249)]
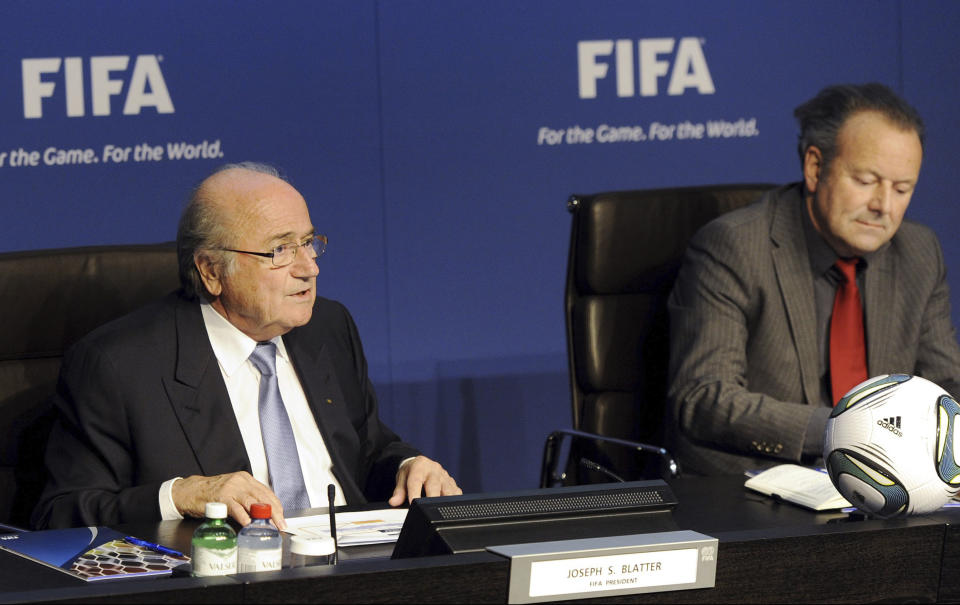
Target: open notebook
[(800, 485)]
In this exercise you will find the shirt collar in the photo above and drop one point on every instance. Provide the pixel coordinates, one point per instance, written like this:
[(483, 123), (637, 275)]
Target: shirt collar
[(822, 256), (231, 346)]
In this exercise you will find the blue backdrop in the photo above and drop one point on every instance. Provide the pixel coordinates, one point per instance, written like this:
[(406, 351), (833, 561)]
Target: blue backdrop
[(436, 143)]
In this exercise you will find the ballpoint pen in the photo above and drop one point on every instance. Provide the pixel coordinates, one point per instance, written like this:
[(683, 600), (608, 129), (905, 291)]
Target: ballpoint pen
[(157, 547)]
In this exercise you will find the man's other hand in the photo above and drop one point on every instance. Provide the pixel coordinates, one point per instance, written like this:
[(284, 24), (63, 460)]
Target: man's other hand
[(237, 490), (422, 476)]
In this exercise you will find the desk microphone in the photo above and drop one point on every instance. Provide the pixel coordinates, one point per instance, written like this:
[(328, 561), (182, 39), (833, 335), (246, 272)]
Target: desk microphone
[(331, 496)]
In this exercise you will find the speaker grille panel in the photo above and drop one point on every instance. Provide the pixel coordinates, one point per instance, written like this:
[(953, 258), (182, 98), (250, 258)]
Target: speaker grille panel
[(562, 504)]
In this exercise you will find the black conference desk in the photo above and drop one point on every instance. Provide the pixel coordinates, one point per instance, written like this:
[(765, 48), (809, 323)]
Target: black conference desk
[(769, 552)]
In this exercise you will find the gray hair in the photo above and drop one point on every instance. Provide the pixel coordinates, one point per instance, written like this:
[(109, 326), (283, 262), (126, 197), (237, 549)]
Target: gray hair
[(822, 117), (202, 230)]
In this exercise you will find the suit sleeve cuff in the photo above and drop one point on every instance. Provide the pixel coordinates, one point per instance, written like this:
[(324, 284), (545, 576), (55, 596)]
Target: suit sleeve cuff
[(813, 438), (168, 510)]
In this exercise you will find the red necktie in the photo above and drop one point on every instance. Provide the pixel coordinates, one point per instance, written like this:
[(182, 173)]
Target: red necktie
[(848, 351)]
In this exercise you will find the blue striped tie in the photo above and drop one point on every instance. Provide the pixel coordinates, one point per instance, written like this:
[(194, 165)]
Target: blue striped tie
[(286, 476)]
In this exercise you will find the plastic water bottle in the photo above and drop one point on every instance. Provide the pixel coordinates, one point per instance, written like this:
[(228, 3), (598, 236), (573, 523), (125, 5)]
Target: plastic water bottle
[(260, 547), (213, 549)]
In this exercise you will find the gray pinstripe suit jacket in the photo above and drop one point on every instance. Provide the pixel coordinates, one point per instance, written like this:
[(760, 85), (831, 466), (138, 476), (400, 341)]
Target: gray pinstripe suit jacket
[(744, 369)]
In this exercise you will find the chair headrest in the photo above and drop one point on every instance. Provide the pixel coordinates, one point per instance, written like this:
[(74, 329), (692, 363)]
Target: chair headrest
[(51, 298)]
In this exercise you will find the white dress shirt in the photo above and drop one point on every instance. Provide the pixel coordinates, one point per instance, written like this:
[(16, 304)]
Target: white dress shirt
[(232, 349)]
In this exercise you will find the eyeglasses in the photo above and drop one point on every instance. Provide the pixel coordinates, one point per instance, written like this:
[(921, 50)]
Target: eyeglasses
[(285, 254)]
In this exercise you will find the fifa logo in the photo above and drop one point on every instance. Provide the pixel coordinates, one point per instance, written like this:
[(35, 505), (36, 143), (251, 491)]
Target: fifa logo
[(687, 68), (145, 87)]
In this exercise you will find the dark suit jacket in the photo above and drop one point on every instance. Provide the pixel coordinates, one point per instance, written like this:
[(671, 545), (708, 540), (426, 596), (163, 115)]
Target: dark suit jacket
[(142, 400), (744, 356)]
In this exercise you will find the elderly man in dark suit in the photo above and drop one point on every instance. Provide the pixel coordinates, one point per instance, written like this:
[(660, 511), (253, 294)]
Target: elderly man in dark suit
[(783, 306), (243, 387)]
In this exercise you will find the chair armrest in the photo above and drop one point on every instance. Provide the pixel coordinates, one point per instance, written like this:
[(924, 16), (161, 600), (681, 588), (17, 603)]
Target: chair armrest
[(549, 477)]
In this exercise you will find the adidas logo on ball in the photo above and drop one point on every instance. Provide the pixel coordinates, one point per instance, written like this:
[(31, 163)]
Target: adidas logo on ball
[(892, 424)]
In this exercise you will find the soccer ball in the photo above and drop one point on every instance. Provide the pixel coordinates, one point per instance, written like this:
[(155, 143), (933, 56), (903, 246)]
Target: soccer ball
[(891, 445)]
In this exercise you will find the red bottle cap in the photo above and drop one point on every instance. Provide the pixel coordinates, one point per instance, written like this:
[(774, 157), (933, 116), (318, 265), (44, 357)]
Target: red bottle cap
[(260, 511)]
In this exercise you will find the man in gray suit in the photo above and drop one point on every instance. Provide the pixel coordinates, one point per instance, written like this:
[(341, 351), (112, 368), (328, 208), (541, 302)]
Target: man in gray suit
[(751, 310)]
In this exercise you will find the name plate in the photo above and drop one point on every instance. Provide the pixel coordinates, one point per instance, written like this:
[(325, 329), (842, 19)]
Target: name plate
[(615, 565)]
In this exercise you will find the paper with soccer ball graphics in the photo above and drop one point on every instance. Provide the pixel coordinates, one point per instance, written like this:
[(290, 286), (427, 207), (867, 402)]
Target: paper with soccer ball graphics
[(90, 553)]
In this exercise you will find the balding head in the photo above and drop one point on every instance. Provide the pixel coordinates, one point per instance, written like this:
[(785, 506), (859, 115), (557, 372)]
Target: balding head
[(205, 225), (248, 245)]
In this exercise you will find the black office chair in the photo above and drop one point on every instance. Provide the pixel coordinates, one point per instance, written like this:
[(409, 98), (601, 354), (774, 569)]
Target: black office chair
[(625, 250), (48, 300)]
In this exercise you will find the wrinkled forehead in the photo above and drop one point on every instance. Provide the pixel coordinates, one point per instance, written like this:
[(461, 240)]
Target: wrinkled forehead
[(259, 208), (871, 141), (868, 128)]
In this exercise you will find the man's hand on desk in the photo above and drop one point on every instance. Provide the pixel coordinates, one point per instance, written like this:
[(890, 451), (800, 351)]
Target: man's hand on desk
[(237, 490), (422, 476)]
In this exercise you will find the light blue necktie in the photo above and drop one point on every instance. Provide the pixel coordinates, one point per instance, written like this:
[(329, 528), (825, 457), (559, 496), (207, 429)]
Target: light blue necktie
[(286, 477)]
